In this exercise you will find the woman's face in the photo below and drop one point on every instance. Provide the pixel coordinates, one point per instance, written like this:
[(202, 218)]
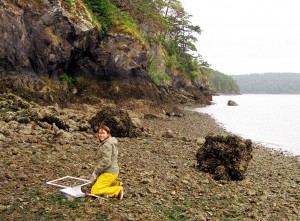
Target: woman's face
[(102, 135)]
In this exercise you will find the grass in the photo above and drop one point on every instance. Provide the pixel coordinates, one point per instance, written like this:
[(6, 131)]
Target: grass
[(102, 216), (156, 75), (35, 161), (178, 212)]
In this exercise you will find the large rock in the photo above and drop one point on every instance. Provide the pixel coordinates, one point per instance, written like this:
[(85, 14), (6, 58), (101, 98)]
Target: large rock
[(226, 157), (231, 103), (118, 121), (122, 58)]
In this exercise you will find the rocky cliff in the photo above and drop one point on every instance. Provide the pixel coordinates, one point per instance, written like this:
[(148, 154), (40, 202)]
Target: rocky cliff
[(51, 38)]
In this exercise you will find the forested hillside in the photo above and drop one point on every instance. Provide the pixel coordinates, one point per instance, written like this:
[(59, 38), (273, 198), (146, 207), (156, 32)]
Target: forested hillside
[(222, 83), (269, 83)]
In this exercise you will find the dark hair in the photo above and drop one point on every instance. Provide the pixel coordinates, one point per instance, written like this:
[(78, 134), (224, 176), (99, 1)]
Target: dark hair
[(104, 127)]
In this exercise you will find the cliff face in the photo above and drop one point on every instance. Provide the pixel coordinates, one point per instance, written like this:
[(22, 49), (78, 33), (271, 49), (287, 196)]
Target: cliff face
[(49, 38), (42, 37)]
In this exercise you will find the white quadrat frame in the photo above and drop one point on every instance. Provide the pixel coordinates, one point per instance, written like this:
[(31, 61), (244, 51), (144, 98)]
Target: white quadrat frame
[(69, 189), (56, 181)]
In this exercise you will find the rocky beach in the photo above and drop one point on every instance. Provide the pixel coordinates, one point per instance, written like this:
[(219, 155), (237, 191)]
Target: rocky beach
[(66, 65), (158, 168)]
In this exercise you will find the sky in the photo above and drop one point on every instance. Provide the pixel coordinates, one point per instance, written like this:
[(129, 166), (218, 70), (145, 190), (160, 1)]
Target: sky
[(248, 36)]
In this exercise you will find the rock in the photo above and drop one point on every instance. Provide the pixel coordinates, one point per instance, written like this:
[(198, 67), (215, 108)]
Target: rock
[(55, 121), (151, 116), (174, 111), (168, 134), (117, 120), (251, 192), (2, 178), (220, 173), (226, 157), (146, 181), (152, 190), (231, 103), (2, 137), (200, 140), (185, 182), (199, 217), (136, 122), (23, 177), (71, 199), (14, 151)]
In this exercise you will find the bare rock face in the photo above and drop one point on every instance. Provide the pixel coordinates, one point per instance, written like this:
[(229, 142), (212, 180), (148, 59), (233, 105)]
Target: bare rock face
[(56, 38), (40, 37), (118, 121), (122, 58), (48, 38), (225, 157)]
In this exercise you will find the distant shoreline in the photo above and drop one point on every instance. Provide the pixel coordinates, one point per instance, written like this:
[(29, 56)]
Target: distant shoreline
[(268, 129)]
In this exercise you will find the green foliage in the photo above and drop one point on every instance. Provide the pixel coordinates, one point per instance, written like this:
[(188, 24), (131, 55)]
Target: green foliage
[(70, 80), (168, 25), (176, 213), (172, 62), (107, 14), (156, 75), (65, 77), (103, 11), (181, 38), (195, 75), (222, 83), (125, 23), (102, 216)]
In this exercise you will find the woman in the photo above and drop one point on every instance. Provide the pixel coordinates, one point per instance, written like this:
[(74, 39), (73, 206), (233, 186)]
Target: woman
[(107, 170)]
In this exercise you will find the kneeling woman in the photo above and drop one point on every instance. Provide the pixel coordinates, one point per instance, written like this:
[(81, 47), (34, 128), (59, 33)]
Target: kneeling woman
[(106, 172)]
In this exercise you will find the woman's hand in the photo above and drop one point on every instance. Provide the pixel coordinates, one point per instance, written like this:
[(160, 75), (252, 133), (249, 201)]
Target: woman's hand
[(93, 177)]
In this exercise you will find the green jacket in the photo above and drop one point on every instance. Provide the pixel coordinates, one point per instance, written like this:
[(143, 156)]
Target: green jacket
[(108, 157)]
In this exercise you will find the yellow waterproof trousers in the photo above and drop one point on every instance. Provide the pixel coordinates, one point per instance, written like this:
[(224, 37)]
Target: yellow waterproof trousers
[(107, 184)]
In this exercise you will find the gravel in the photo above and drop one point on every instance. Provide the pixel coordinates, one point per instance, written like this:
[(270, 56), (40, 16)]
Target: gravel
[(158, 170)]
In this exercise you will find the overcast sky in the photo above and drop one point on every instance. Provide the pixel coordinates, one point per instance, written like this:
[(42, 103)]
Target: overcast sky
[(248, 36)]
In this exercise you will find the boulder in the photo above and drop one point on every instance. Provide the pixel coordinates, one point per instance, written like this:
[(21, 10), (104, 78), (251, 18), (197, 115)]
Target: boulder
[(226, 157), (231, 103), (119, 122)]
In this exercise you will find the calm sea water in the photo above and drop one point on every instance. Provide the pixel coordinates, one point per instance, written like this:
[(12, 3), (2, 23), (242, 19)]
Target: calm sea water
[(271, 120)]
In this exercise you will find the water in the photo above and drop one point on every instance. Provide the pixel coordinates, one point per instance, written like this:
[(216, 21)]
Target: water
[(271, 120)]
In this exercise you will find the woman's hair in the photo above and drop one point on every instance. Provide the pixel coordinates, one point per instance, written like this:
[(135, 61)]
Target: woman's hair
[(104, 127)]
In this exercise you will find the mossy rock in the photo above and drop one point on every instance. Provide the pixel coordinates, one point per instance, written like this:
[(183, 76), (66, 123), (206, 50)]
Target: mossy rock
[(117, 120), (226, 157)]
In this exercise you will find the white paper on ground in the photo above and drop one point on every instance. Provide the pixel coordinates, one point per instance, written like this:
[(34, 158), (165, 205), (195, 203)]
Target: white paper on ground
[(73, 191)]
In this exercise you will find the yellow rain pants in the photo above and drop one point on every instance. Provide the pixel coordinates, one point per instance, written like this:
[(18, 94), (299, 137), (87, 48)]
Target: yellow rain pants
[(106, 184)]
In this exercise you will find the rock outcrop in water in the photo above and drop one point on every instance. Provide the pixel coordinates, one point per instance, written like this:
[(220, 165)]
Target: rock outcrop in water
[(231, 103)]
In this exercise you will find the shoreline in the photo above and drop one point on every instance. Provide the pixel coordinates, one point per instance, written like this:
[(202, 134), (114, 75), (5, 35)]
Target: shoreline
[(267, 130), (157, 169)]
